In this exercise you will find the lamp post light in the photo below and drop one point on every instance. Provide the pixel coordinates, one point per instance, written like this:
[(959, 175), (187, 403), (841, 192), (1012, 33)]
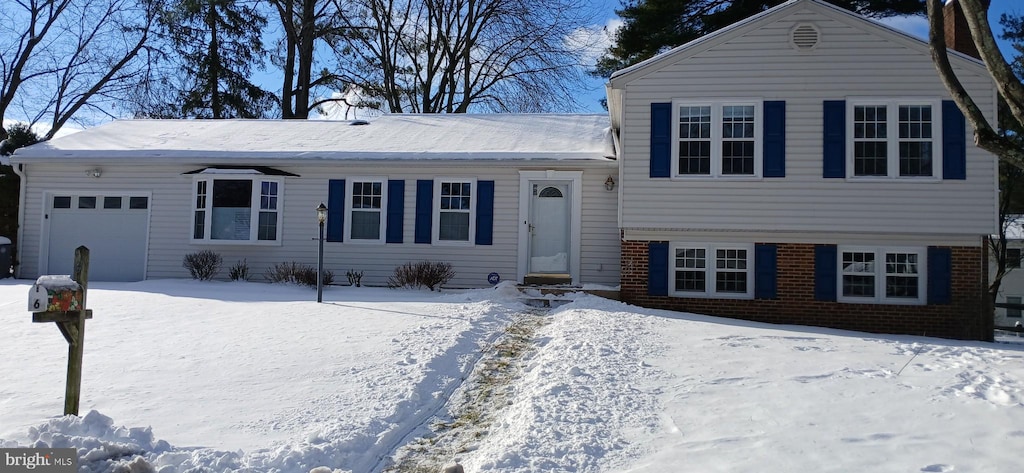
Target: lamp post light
[(321, 217)]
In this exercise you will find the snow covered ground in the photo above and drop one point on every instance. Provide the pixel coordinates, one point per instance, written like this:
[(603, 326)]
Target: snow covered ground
[(256, 377)]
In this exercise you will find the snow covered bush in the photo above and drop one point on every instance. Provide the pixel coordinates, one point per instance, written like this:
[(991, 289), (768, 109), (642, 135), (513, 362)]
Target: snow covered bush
[(202, 265), (432, 274)]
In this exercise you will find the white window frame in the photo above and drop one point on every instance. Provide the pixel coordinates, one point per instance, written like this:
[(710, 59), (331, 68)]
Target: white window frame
[(892, 166), (711, 270), (1014, 261), (880, 275), (349, 186), (716, 137), (1017, 313), (436, 211), (254, 209)]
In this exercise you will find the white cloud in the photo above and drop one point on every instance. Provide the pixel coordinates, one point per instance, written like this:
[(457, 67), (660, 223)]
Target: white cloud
[(590, 42), (41, 129), (914, 25)]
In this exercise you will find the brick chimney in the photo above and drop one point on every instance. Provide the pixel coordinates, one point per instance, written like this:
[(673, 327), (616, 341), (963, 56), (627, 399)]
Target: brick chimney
[(958, 34)]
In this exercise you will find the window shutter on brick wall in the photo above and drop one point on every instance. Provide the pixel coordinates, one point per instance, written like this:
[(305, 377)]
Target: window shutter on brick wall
[(940, 271), (661, 140), (834, 151), (657, 269), (954, 142), (335, 210), (765, 271), (484, 212), (774, 138), (396, 211), (424, 210), (825, 272)]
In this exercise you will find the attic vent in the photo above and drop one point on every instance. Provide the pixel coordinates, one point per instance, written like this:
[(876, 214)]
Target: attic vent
[(359, 122), (805, 37)]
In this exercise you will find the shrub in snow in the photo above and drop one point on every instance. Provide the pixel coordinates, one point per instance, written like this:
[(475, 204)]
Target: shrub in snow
[(240, 271), (203, 265), (297, 274), (355, 278), (432, 274), (306, 276)]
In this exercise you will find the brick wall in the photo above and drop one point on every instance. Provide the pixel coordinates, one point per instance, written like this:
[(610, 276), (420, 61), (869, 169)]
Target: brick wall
[(963, 319)]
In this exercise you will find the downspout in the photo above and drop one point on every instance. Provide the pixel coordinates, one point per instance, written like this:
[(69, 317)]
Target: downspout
[(23, 177)]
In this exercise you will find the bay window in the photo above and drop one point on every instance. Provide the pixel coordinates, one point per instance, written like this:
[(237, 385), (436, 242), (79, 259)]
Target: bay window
[(236, 210)]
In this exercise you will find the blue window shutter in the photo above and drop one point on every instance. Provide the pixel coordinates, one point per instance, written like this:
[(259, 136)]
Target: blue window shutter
[(661, 140), (834, 150), (826, 272), (657, 269), (765, 271), (336, 210), (954, 142), (774, 138), (940, 272), (424, 209), (484, 212), (396, 211)]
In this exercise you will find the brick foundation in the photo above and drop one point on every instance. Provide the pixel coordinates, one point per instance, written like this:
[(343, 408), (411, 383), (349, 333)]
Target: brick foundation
[(963, 318)]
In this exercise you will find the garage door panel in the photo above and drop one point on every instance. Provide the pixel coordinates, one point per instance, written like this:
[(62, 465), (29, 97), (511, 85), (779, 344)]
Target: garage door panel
[(116, 239)]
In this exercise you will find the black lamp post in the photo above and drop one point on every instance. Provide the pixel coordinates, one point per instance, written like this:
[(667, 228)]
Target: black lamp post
[(321, 216)]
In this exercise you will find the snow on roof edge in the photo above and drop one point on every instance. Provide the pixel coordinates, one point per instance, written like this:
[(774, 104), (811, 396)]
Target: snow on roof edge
[(61, 155)]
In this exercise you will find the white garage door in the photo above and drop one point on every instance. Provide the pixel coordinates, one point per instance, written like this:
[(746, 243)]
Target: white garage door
[(113, 227)]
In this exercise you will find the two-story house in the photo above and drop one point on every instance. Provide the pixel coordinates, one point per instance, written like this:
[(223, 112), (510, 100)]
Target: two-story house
[(803, 166)]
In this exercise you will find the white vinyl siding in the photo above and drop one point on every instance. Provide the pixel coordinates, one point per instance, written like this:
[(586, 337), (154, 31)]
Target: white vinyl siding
[(172, 205), (850, 60)]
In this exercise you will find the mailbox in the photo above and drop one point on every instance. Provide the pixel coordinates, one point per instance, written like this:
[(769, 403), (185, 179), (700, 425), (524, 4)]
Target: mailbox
[(55, 294)]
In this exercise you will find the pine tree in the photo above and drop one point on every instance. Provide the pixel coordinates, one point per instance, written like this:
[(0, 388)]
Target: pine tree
[(651, 27), (218, 43)]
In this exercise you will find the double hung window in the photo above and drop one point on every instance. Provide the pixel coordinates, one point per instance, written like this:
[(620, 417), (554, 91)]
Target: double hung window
[(894, 139), (1013, 312), (882, 275), (717, 139), (366, 217), (236, 210), (699, 270), (456, 209)]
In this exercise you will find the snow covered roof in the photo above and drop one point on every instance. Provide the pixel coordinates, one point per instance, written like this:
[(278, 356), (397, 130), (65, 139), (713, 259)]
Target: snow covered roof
[(405, 136)]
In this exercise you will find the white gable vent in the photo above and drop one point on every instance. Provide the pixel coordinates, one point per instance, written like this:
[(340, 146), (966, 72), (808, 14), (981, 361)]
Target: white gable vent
[(805, 37)]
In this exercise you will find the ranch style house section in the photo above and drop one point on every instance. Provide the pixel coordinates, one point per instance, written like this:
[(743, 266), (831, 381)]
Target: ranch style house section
[(516, 196), (806, 166)]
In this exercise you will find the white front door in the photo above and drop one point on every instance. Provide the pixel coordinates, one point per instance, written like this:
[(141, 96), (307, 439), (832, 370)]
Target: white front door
[(549, 227)]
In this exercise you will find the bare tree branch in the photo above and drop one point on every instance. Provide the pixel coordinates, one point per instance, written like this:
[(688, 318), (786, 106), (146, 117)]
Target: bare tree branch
[(985, 135)]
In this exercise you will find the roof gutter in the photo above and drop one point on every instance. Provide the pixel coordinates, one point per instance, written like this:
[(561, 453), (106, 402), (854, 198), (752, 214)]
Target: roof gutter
[(19, 169)]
